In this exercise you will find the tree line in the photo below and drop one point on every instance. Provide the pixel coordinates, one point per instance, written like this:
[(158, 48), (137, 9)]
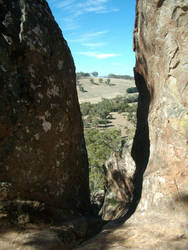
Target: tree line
[(96, 74)]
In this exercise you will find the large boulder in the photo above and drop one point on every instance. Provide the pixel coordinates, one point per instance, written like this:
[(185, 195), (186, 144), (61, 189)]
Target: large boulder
[(42, 149), (161, 46)]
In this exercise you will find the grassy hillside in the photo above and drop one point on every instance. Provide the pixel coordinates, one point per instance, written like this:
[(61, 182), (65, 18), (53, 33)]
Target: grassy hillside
[(94, 89)]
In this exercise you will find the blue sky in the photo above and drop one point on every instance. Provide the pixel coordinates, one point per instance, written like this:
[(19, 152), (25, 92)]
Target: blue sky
[(99, 33)]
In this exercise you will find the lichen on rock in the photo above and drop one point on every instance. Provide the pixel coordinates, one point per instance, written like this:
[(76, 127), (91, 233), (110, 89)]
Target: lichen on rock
[(40, 120), (161, 46)]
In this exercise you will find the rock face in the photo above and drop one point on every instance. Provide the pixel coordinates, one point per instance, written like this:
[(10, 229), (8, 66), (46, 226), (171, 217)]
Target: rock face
[(161, 140), (42, 149)]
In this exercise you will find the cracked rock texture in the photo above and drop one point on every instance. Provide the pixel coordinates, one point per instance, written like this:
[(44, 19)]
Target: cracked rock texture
[(42, 149), (161, 140), (161, 45)]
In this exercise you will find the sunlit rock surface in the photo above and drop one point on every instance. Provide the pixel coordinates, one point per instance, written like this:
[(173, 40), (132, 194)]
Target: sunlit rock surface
[(161, 46), (42, 149)]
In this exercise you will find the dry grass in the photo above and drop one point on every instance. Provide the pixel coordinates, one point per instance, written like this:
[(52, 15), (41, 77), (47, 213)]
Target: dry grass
[(96, 92)]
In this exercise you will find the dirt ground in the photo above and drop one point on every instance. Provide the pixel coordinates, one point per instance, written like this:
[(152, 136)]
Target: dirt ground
[(120, 122), (151, 232)]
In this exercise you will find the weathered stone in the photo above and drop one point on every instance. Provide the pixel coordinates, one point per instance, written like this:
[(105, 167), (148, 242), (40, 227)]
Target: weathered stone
[(42, 149), (161, 45)]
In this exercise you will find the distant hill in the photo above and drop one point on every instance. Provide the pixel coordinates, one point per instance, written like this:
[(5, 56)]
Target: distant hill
[(93, 89), (126, 77), (96, 74)]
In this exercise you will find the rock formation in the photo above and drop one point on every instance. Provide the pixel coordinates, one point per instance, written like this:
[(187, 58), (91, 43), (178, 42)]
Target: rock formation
[(119, 185), (42, 150), (161, 46)]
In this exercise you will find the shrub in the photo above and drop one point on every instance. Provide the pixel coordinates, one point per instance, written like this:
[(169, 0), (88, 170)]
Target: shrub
[(82, 74), (101, 111), (99, 147), (132, 98), (126, 77), (100, 80), (108, 82), (132, 90), (81, 88), (92, 81), (95, 74)]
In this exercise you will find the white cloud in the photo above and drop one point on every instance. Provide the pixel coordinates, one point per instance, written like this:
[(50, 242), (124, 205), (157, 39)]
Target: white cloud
[(98, 55), (68, 23), (94, 34), (89, 36), (74, 9), (65, 3), (94, 45), (96, 9)]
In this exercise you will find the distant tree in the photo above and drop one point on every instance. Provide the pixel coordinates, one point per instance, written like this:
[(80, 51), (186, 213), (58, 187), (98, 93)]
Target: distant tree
[(82, 74), (101, 144), (132, 98), (126, 77), (92, 81), (86, 74), (78, 76), (100, 80), (95, 74), (99, 112), (95, 122), (103, 122), (81, 88), (86, 108), (108, 81), (132, 90), (88, 121)]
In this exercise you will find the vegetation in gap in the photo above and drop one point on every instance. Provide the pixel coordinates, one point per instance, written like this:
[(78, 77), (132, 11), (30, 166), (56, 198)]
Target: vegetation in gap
[(100, 144), (93, 82), (81, 88), (108, 82), (126, 77), (132, 90), (100, 80), (95, 74), (98, 115), (82, 74), (101, 138)]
